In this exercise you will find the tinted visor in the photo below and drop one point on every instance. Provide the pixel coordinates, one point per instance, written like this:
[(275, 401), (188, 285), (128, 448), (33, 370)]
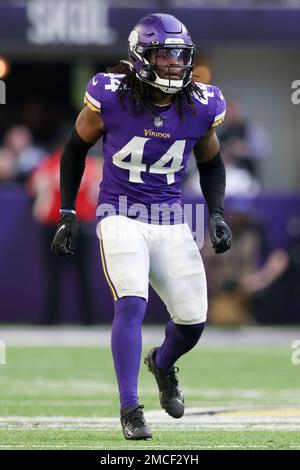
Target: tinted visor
[(170, 56)]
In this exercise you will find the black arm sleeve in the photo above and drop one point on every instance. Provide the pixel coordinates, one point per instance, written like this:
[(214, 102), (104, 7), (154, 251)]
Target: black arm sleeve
[(71, 169), (212, 182)]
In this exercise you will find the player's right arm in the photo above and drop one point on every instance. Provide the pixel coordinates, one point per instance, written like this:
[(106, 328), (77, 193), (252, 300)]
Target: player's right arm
[(89, 127)]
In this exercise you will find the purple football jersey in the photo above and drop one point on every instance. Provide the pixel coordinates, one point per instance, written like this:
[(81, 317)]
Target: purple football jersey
[(145, 156)]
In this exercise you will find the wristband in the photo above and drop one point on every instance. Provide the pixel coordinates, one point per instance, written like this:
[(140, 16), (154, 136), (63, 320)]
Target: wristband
[(67, 211)]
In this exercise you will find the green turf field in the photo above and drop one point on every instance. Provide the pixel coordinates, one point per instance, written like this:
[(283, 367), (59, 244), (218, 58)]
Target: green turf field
[(66, 398)]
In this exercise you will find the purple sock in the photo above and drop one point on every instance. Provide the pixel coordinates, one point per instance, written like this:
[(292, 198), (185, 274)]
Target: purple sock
[(126, 345), (179, 340)]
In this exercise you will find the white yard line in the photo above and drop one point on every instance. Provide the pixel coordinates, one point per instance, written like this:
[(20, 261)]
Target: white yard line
[(167, 428), (195, 419)]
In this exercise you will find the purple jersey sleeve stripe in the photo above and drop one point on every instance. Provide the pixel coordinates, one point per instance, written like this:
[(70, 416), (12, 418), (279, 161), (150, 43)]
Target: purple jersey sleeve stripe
[(90, 105), (220, 116), (92, 100), (219, 119), (220, 109), (216, 123)]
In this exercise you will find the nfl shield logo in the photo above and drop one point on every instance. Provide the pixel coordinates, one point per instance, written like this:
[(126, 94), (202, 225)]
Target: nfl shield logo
[(158, 121)]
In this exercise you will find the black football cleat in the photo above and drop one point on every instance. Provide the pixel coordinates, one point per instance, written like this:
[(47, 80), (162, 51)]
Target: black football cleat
[(134, 425), (170, 395)]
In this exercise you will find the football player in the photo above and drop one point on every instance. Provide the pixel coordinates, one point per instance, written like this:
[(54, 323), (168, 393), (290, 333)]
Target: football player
[(151, 116)]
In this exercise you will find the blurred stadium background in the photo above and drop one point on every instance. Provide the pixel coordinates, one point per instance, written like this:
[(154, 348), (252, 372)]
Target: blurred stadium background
[(48, 52)]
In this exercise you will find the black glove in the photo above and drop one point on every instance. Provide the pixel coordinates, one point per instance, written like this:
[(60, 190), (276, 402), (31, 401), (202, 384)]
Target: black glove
[(220, 233), (64, 241)]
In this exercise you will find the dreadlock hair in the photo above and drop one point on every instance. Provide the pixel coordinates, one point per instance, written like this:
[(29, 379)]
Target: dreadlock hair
[(142, 94)]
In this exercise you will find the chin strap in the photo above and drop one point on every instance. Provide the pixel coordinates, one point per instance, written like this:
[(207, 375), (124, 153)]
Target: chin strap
[(166, 88)]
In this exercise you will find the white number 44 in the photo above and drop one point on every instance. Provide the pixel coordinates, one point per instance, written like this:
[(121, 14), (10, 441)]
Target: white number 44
[(135, 148)]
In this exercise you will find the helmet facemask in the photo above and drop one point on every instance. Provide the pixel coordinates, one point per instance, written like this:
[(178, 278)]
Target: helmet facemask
[(170, 67)]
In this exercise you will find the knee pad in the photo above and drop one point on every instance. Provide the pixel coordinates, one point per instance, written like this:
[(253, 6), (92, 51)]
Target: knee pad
[(191, 311)]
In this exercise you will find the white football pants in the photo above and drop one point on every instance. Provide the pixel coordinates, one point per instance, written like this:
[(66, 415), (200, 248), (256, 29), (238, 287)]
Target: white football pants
[(134, 253)]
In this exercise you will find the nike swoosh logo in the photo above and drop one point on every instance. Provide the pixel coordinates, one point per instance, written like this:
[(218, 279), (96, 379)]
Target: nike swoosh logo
[(60, 228), (128, 432), (95, 81)]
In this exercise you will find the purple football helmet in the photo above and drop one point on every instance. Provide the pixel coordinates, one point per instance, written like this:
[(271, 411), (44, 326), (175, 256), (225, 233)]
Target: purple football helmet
[(160, 51)]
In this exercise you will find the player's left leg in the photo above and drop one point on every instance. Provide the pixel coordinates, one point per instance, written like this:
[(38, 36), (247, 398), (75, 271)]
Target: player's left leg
[(177, 274)]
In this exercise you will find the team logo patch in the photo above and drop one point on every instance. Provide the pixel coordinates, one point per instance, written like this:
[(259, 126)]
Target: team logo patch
[(158, 121)]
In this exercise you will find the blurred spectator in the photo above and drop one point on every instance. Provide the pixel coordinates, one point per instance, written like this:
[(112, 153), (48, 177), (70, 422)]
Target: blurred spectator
[(277, 301), (44, 186), (8, 166), (249, 267), (18, 139), (242, 146), (245, 143), (239, 181)]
